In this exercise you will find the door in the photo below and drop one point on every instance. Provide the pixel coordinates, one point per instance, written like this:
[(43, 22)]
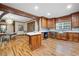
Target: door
[(31, 26)]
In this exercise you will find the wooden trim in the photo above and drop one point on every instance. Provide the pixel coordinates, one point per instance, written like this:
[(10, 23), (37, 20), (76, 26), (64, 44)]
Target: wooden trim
[(71, 22), (65, 15), (75, 13), (3, 14), (13, 26), (16, 11), (38, 24), (20, 22)]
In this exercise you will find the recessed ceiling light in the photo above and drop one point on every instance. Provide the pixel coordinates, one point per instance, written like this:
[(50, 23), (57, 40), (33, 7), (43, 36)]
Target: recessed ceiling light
[(48, 14), (36, 7), (69, 6)]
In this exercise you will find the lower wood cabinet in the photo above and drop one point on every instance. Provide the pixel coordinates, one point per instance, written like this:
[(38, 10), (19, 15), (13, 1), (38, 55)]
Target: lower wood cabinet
[(34, 41), (58, 35), (62, 36), (76, 37), (73, 36), (68, 36)]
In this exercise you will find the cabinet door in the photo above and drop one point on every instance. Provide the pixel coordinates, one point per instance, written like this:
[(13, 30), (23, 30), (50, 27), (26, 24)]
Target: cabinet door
[(58, 36), (51, 23), (64, 36), (76, 37), (71, 36), (75, 20), (33, 42), (39, 41), (44, 23)]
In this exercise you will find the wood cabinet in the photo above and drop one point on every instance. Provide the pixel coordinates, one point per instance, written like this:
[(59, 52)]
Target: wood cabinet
[(76, 37), (63, 23), (75, 20), (70, 36), (65, 36), (51, 23), (44, 22), (73, 36), (64, 19), (62, 36), (34, 41), (58, 36)]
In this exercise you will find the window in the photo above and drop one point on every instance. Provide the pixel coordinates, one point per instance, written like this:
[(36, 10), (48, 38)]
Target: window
[(63, 25), (3, 28)]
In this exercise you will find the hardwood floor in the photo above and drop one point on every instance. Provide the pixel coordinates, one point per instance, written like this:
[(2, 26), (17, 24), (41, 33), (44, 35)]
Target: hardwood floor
[(50, 47), (16, 47)]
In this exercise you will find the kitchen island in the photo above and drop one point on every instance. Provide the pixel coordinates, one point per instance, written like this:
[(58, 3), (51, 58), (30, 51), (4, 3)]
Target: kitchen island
[(34, 40)]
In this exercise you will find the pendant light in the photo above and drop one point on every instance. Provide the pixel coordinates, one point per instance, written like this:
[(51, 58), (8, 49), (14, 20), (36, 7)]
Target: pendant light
[(9, 21)]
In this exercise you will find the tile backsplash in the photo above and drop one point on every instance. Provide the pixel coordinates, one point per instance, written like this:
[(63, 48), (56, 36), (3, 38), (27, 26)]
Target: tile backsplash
[(75, 29)]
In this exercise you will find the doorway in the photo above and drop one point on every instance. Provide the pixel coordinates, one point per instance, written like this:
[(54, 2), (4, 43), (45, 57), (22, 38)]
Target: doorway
[(31, 26)]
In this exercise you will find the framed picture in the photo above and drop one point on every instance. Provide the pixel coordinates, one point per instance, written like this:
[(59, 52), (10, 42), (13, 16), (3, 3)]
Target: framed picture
[(20, 28)]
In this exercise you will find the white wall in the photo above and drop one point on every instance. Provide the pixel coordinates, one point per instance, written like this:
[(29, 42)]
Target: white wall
[(36, 26), (9, 28), (40, 24), (16, 27), (25, 26)]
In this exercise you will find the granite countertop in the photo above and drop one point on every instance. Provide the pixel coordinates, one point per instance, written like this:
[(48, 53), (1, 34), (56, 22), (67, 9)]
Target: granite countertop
[(33, 33), (59, 31), (73, 31), (76, 31), (44, 30)]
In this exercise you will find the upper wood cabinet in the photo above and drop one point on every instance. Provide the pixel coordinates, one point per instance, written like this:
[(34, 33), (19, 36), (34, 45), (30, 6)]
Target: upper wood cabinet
[(75, 20), (64, 19), (63, 23), (44, 22), (51, 23)]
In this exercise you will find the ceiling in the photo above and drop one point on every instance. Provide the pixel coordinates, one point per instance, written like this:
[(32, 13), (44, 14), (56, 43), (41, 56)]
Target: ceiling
[(14, 17), (46, 9)]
